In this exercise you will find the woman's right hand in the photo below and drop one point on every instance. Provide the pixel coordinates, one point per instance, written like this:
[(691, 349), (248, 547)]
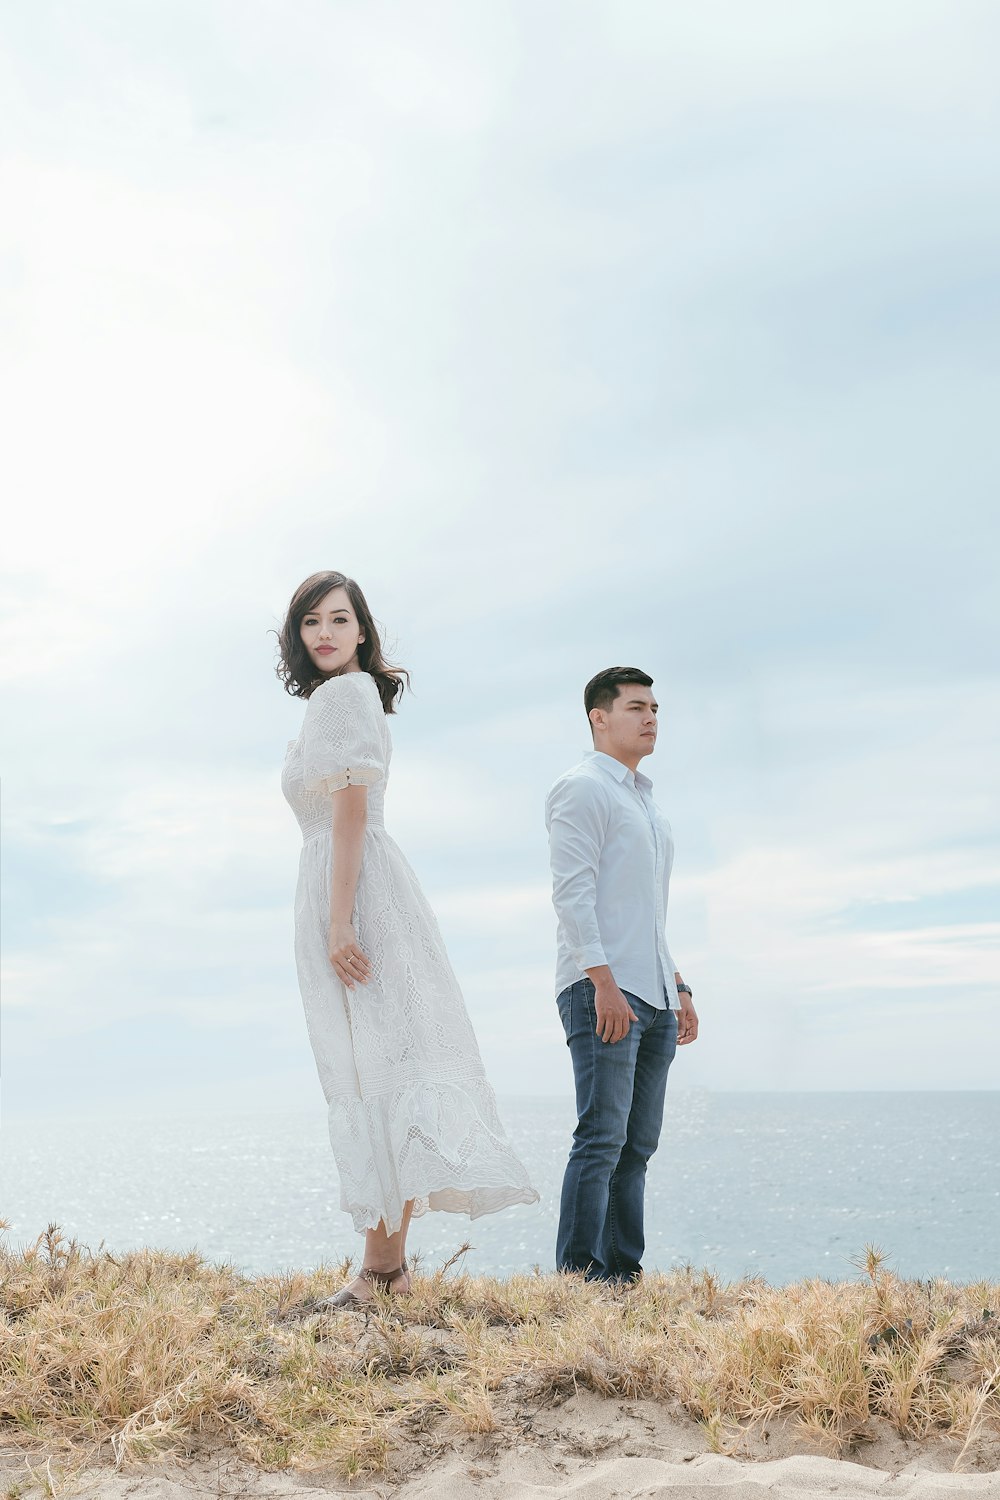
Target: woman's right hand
[(347, 958)]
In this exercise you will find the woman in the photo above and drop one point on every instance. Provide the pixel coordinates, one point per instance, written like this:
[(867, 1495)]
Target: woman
[(413, 1120)]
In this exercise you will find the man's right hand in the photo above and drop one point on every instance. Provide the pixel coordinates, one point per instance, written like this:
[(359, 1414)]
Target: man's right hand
[(614, 1014)]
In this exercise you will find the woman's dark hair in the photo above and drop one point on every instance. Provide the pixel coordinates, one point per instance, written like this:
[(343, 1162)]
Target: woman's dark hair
[(602, 690), (295, 667)]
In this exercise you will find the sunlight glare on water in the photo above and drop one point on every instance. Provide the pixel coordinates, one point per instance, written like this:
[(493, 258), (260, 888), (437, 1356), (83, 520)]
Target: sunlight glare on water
[(785, 1185)]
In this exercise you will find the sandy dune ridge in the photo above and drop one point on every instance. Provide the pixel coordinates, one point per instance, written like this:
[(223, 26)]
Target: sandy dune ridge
[(587, 1447), (149, 1374), (533, 1475)]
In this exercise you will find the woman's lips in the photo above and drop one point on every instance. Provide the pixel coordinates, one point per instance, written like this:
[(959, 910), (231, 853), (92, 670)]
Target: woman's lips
[(325, 650)]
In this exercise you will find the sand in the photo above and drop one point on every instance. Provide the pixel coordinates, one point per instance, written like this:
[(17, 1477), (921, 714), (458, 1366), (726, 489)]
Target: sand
[(584, 1448)]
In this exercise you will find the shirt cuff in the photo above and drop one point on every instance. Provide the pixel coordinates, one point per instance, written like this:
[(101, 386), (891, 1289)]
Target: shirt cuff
[(590, 958)]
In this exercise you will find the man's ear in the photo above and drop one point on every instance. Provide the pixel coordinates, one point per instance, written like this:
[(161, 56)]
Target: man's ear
[(596, 717)]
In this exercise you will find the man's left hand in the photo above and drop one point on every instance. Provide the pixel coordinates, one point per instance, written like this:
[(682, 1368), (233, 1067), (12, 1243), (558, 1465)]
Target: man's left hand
[(687, 1022)]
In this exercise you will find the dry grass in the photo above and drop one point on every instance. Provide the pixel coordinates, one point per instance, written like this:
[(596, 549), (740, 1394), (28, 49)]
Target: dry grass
[(138, 1354)]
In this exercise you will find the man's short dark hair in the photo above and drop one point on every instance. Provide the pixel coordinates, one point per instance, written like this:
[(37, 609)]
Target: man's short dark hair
[(602, 690)]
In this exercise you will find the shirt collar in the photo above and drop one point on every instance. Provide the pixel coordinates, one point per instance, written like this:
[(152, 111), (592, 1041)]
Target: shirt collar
[(617, 770)]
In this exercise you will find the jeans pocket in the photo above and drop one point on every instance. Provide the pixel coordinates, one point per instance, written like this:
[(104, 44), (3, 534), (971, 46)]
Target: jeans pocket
[(576, 1009)]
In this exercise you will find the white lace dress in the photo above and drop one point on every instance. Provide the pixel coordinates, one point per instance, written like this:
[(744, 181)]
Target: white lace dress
[(411, 1112)]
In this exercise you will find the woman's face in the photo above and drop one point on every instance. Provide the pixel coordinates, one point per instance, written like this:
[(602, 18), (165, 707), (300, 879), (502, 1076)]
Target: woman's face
[(331, 633)]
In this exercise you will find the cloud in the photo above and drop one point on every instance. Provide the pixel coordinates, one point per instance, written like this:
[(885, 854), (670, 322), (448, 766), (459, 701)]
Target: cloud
[(580, 336)]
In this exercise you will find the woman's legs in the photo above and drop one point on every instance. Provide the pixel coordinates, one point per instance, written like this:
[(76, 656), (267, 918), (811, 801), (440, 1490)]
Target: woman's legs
[(385, 1252)]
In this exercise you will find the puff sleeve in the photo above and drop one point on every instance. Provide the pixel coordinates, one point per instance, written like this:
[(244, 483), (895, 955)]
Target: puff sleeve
[(343, 736)]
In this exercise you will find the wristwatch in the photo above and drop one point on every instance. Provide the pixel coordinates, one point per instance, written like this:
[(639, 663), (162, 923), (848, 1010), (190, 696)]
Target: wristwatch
[(685, 989)]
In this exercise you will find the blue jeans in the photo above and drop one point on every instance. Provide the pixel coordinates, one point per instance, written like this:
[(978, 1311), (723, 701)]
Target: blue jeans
[(619, 1101)]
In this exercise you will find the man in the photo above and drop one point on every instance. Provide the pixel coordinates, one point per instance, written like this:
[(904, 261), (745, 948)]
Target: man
[(618, 991)]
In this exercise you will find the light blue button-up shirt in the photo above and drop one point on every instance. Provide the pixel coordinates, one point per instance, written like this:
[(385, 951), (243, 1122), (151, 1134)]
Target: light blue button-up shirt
[(611, 853)]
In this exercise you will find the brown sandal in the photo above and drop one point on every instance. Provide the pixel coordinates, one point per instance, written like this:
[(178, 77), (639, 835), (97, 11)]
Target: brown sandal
[(380, 1280)]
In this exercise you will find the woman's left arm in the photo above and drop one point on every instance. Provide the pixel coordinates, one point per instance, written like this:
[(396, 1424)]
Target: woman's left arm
[(350, 819)]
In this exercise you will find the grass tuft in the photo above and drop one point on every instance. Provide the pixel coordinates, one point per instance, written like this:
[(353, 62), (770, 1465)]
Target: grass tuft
[(139, 1355)]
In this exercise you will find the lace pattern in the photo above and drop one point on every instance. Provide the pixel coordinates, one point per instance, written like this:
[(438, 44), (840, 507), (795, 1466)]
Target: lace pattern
[(411, 1112), (342, 742)]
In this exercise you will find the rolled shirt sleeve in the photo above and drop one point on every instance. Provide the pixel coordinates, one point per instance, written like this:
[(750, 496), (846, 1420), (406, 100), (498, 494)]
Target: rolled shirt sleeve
[(576, 816)]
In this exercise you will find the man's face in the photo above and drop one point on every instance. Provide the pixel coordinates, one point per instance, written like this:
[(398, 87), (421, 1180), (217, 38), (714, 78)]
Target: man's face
[(627, 729)]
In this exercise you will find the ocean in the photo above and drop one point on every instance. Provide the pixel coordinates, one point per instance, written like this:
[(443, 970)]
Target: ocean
[(782, 1185)]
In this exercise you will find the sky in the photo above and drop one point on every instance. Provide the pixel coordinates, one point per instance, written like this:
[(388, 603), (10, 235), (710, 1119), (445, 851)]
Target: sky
[(581, 334)]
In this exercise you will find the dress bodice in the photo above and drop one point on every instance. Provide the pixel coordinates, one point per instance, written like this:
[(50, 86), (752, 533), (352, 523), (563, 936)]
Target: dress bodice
[(313, 809)]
